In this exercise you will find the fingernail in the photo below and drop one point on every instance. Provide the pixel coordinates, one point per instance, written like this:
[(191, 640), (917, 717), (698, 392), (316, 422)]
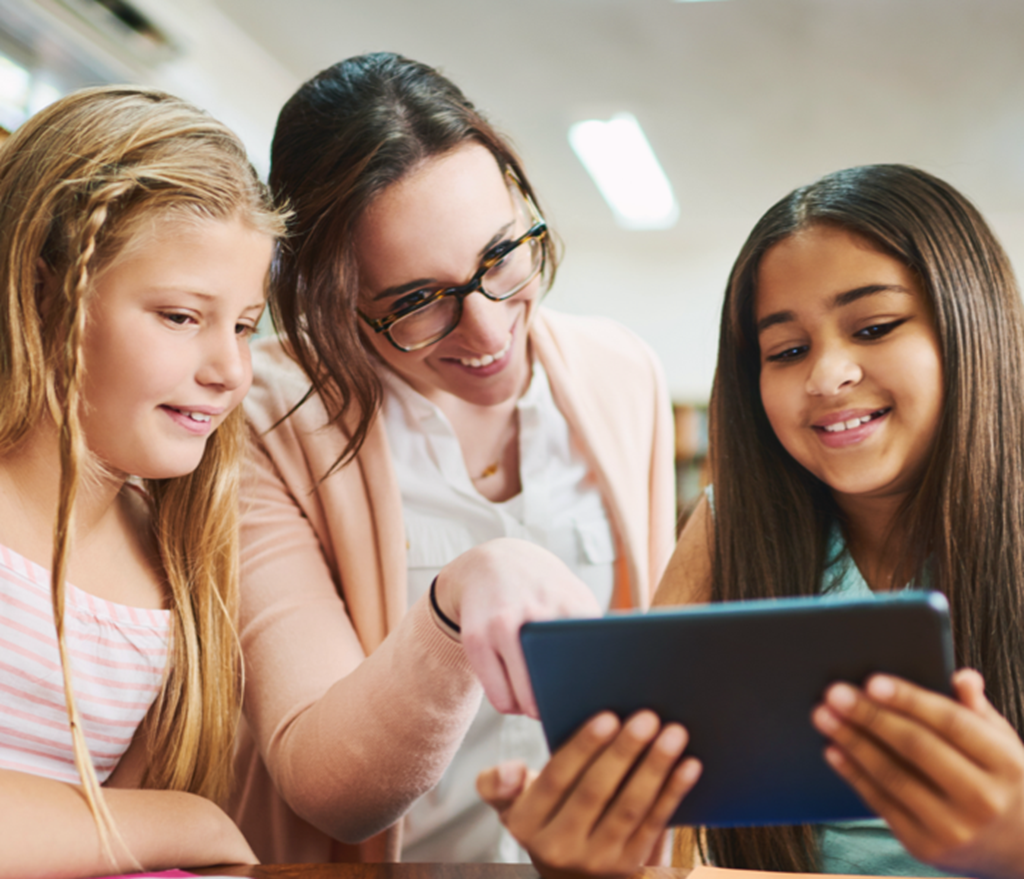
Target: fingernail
[(690, 770), (672, 739), (834, 757), (881, 687), (824, 719), (507, 774), (643, 725), (841, 696), (604, 725)]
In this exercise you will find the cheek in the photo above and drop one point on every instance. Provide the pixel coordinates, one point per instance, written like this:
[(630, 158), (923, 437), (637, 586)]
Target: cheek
[(782, 401), (246, 383), (775, 401), (531, 295), (911, 367), (374, 344), (921, 366), (405, 363)]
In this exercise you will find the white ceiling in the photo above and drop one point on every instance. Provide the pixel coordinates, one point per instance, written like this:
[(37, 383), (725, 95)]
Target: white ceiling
[(742, 100)]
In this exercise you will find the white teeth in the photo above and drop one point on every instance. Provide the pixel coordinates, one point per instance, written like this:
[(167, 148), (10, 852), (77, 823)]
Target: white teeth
[(195, 416), (487, 359), (840, 426)]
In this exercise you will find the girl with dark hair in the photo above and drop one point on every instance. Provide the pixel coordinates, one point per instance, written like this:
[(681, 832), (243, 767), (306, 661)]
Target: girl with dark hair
[(436, 452), (867, 434)]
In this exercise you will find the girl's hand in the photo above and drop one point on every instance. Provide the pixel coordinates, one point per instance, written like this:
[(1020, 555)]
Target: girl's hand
[(602, 802), (947, 775), (490, 591)]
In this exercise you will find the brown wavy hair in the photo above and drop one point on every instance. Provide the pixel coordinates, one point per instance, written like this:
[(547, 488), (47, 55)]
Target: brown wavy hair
[(344, 137), (77, 182), (964, 522)]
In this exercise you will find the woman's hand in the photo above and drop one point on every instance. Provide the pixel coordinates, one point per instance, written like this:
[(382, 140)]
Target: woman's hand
[(490, 591), (603, 800), (947, 775)]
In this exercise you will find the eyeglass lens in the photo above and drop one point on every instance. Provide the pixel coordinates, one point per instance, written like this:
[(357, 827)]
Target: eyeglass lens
[(502, 280)]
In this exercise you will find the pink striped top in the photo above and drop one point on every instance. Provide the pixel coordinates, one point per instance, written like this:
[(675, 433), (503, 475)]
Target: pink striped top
[(118, 656)]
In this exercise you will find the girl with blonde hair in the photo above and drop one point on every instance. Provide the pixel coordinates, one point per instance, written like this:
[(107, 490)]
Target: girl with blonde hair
[(135, 241)]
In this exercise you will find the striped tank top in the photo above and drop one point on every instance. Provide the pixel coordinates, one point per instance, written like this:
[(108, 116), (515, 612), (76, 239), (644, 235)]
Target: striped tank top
[(118, 656)]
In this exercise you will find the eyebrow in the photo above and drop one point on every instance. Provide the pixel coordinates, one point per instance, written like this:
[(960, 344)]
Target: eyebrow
[(208, 297), (838, 301), (409, 287)]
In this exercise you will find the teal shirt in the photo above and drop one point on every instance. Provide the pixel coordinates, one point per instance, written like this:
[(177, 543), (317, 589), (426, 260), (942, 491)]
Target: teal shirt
[(865, 846)]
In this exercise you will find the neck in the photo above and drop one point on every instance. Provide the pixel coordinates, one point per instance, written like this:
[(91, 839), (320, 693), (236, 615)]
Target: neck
[(30, 489), (874, 537)]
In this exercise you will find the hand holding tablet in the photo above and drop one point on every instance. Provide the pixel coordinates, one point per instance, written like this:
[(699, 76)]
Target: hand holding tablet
[(743, 679), (601, 803)]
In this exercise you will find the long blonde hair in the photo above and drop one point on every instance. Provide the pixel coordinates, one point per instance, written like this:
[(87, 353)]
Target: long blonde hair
[(77, 181)]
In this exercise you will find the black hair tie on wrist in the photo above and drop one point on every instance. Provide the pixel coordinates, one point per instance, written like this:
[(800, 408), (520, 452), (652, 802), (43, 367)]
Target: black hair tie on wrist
[(455, 627)]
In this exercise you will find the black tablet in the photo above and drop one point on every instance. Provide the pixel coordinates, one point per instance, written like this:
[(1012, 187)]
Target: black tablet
[(742, 677)]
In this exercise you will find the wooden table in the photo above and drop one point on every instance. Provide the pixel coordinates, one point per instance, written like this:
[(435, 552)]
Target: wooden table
[(404, 871)]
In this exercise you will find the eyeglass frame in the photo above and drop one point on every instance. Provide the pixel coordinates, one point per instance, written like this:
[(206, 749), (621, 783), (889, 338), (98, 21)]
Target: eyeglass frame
[(536, 232)]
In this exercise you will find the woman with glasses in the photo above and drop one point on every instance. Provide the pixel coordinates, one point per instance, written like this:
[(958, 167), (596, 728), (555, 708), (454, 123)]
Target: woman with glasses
[(436, 452)]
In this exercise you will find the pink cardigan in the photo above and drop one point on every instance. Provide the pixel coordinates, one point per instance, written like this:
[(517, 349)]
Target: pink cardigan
[(354, 704)]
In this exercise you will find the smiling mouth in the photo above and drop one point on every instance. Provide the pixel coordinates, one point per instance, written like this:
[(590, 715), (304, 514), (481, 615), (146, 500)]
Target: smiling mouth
[(200, 417), (487, 359), (851, 423)]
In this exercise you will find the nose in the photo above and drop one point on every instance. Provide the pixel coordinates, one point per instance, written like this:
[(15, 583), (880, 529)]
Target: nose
[(832, 371), (226, 363), (484, 325)]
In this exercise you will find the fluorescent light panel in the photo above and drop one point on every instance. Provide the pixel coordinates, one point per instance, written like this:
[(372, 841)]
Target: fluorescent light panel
[(620, 160)]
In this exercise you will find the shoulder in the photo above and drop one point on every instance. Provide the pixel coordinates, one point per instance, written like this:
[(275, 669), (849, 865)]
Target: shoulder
[(278, 386), (591, 338), (291, 425), (594, 350), (687, 579)]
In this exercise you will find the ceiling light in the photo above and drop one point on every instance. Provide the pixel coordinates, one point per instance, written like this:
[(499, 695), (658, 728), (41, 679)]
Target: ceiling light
[(621, 162)]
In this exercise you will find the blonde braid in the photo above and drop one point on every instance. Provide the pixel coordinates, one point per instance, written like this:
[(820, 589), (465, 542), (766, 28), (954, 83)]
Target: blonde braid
[(73, 452), (79, 183)]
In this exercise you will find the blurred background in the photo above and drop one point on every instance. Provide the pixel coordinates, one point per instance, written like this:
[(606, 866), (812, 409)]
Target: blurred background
[(740, 100)]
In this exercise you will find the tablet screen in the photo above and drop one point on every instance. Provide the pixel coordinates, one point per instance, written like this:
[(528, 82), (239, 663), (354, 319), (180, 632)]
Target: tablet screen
[(743, 678)]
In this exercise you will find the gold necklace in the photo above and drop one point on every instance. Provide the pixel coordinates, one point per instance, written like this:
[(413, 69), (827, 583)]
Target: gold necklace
[(489, 470), (509, 435)]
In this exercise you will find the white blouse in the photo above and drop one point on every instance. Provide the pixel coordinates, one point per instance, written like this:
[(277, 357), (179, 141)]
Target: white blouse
[(559, 508)]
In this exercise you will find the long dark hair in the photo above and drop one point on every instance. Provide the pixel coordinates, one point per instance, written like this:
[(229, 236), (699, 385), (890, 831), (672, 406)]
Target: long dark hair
[(343, 138), (964, 523)]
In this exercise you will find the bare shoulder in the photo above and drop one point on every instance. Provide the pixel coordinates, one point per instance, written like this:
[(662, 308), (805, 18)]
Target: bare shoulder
[(687, 579)]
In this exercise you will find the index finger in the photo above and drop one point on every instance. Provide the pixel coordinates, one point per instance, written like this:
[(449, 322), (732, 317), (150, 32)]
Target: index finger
[(975, 736), (488, 667), (511, 652)]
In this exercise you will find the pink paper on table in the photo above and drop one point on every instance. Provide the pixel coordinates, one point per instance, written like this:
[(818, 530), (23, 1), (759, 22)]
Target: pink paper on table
[(703, 872), (163, 874)]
